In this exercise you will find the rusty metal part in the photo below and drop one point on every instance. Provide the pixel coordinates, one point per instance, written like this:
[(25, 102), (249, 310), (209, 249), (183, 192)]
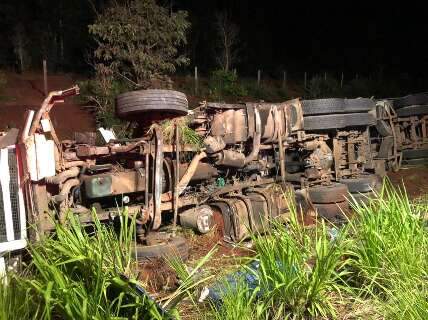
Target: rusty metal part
[(352, 154), (204, 171), (29, 115), (214, 144), (126, 148), (231, 125), (183, 201), (147, 174), (240, 186), (77, 163), (281, 151), (177, 175), (65, 190), (184, 181), (230, 158), (85, 150), (157, 178), (256, 139), (199, 218), (238, 216), (61, 177), (121, 182), (52, 98)]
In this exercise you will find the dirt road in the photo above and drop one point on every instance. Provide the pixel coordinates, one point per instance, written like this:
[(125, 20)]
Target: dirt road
[(25, 92)]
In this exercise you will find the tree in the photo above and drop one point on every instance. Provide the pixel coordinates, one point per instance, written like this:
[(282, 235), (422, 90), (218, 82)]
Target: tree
[(139, 40), (228, 33), (20, 43)]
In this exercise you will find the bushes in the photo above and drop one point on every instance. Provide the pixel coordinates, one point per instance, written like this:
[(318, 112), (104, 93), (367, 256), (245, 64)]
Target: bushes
[(102, 93), (320, 87), (225, 84)]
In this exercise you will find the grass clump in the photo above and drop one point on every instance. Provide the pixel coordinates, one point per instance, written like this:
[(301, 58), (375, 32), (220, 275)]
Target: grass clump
[(299, 269), (76, 274), (188, 136), (389, 242)]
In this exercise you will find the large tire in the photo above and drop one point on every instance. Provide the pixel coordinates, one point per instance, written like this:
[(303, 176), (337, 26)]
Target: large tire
[(157, 104), (328, 194), (359, 105), (363, 183), (415, 154), (359, 119), (173, 247), (323, 106), (338, 121), (410, 100), (415, 162), (412, 111), (336, 105), (333, 211)]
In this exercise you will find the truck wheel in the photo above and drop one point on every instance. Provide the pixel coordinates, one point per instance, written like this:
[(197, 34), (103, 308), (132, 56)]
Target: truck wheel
[(333, 211), (410, 100), (363, 183), (323, 106), (154, 103), (359, 119), (415, 154), (412, 111), (324, 122), (415, 162), (337, 121), (333, 193), (359, 105), (170, 248)]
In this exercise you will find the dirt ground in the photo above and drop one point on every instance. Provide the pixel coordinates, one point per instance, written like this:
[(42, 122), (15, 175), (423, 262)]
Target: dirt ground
[(25, 91), (415, 180)]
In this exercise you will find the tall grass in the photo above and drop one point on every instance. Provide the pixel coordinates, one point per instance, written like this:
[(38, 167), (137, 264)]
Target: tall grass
[(380, 259), (299, 269), (78, 274), (238, 302), (389, 242)]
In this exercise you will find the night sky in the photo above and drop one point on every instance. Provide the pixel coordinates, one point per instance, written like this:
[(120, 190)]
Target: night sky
[(297, 36)]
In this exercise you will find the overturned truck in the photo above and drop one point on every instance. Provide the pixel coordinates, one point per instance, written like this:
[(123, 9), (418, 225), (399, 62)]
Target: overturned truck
[(232, 175)]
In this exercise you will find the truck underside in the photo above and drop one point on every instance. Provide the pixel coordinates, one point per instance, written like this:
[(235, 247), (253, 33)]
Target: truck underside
[(243, 166)]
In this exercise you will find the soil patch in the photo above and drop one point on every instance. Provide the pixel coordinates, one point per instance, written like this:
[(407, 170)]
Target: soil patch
[(415, 180), (25, 91)]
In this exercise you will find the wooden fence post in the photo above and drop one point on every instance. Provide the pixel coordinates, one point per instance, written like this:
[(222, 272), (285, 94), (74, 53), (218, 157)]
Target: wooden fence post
[(341, 81), (196, 81), (259, 75), (284, 79)]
